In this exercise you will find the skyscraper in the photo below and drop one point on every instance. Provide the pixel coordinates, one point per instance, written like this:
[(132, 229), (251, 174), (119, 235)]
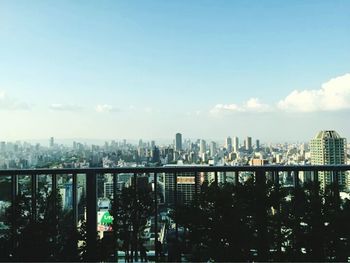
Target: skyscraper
[(257, 145), (228, 144), (329, 148), (186, 187), (235, 144), (212, 149), (202, 147), (178, 142), (52, 142), (248, 143)]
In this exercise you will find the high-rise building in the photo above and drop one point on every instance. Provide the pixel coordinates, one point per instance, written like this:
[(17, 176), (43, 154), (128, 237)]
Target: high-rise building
[(235, 144), (52, 142), (2, 146), (185, 187), (329, 148), (228, 144), (212, 149), (153, 144), (248, 143), (202, 147), (257, 145), (178, 142)]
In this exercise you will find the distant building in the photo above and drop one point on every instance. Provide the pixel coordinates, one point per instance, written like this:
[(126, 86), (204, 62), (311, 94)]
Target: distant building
[(185, 187), (202, 147), (329, 148), (153, 144), (52, 142), (257, 145), (66, 192), (258, 162), (228, 144), (235, 144), (155, 155), (178, 142), (248, 143), (212, 149)]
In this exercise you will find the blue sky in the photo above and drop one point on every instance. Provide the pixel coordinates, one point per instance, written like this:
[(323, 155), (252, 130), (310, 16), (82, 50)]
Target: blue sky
[(130, 69)]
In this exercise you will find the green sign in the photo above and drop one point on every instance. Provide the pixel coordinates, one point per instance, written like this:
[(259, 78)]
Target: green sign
[(106, 219)]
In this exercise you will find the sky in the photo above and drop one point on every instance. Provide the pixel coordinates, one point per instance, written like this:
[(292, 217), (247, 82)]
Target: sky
[(273, 70)]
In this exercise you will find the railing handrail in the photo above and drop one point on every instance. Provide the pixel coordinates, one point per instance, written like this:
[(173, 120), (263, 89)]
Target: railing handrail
[(176, 168)]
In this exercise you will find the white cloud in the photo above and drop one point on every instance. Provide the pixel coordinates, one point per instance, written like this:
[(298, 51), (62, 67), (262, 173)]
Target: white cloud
[(332, 96), (106, 108), (148, 110), (251, 105), (63, 107), (9, 103)]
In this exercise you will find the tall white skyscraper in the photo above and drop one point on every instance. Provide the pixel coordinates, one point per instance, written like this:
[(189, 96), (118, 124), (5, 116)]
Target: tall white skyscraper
[(235, 144), (178, 142), (228, 144), (329, 148)]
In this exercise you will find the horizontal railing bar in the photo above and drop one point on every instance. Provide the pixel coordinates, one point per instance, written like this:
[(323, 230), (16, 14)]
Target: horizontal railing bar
[(172, 169)]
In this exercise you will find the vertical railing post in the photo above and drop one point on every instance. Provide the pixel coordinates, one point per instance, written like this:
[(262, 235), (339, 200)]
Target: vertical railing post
[(261, 215), (316, 222), (196, 184), (297, 215), (338, 230), (75, 199), (335, 179), (14, 195), (216, 178), (276, 179), (276, 183), (315, 178), (177, 256), (134, 246), (34, 196), (175, 207), (54, 205), (91, 206), (115, 214), (296, 179), (236, 178), (54, 195), (155, 180)]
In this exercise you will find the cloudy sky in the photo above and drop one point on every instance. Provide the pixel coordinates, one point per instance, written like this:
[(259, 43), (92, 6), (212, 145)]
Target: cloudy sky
[(277, 70)]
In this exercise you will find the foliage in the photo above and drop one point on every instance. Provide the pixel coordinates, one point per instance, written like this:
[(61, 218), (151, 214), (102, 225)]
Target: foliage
[(265, 222)]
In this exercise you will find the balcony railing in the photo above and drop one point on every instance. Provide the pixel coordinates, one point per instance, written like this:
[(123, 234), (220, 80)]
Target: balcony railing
[(260, 174)]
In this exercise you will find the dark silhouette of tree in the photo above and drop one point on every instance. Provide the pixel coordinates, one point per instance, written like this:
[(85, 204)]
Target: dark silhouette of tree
[(300, 224), (130, 210)]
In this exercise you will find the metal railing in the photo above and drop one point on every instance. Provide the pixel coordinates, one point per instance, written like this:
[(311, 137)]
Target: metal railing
[(259, 173)]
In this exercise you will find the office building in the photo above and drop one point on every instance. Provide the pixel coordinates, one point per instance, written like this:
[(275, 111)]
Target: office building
[(228, 144), (329, 148), (257, 145), (212, 149), (178, 142), (52, 142), (202, 147), (235, 144), (185, 187), (248, 143)]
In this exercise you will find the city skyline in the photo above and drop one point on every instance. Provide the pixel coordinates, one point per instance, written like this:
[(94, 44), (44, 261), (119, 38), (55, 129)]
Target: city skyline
[(146, 70)]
